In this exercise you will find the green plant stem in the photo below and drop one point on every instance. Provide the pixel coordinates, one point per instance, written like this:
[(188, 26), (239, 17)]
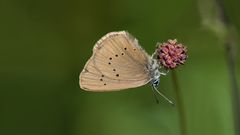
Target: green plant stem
[(179, 104), (234, 87), (230, 45)]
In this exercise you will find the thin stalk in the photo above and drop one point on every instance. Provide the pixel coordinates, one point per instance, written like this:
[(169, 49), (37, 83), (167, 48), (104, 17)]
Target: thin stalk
[(234, 87), (179, 102), (230, 45)]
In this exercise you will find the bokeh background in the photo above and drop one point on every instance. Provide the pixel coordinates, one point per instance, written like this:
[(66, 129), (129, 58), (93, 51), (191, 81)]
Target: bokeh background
[(44, 45)]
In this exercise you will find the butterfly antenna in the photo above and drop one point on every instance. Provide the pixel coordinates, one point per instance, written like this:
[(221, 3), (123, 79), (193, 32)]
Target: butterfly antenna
[(163, 96), (155, 96)]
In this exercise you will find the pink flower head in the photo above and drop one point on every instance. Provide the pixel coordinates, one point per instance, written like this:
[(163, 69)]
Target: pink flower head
[(171, 54)]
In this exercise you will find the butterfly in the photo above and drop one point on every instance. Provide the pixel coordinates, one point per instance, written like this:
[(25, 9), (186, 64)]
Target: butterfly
[(118, 62)]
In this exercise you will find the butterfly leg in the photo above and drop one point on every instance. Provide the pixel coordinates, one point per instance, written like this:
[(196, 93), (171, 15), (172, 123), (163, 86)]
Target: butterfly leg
[(164, 72)]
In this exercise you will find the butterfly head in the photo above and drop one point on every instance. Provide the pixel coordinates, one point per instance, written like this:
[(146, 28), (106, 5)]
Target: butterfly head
[(155, 78), (155, 82)]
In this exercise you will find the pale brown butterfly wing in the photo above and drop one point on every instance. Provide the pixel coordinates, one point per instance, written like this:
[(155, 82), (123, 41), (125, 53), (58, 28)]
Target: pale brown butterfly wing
[(118, 62)]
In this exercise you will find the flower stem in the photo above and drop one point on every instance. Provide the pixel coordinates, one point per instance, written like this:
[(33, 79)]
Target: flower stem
[(179, 104), (230, 45)]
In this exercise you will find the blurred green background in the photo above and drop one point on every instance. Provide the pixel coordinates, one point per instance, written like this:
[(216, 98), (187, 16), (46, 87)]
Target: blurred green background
[(44, 45)]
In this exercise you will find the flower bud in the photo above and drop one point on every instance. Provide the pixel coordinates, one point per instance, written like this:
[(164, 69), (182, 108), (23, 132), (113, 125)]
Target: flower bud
[(171, 54)]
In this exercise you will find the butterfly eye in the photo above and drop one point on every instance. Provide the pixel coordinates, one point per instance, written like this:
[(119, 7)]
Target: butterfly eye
[(155, 82)]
